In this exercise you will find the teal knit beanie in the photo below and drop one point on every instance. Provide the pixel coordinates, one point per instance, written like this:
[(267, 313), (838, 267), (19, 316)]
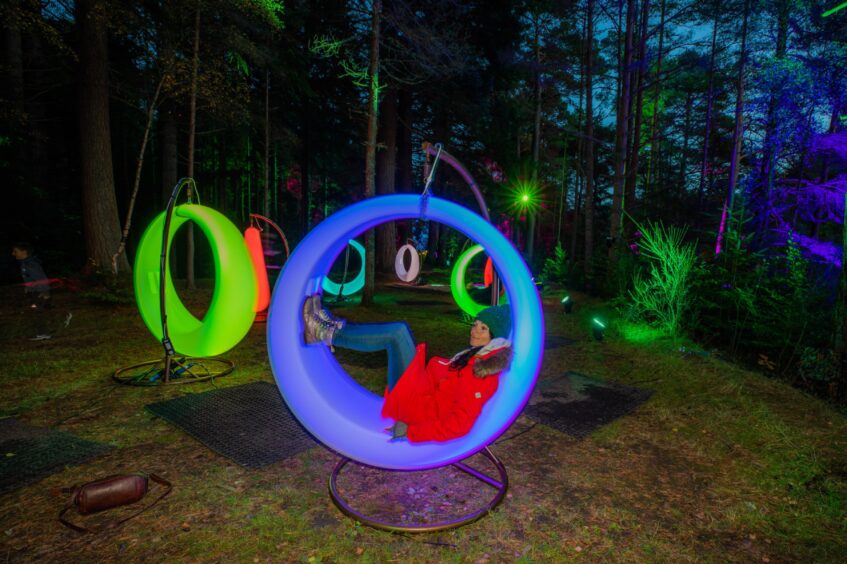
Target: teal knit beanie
[(499, 320)]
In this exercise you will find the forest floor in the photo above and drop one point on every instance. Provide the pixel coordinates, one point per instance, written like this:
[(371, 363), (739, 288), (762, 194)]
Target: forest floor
[(720, 464)]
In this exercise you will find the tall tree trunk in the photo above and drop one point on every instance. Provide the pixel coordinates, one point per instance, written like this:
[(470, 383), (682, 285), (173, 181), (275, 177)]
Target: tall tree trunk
[(737, 134), (536, 144), (769, 153), (683, 161), (223, 174), (707, 133), (192, 124), (589, 147), (577, 204), (635, 144), (370, 153), (405, 177), (170, 162), (101, 225), (266, 192), (14, 64), (386, 170), (16, 119), (621, 137), (139, 164), (657, 88)]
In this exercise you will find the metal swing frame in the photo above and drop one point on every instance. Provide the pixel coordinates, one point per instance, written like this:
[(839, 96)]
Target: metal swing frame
[(501, 485)]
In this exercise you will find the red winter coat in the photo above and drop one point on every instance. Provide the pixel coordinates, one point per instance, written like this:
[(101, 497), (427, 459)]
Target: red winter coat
[(439, 403)]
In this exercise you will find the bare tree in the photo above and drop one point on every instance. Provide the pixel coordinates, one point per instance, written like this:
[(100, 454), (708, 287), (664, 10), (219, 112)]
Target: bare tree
[(737, 133)]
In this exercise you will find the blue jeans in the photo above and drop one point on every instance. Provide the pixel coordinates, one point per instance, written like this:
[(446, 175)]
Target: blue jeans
[(395, 338)]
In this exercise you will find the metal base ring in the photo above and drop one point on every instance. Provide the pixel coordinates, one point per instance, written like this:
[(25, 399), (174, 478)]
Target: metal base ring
[(501, 486), (174, 370)]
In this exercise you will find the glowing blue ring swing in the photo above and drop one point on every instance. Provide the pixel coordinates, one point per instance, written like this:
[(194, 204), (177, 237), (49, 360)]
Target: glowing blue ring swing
[(335, 408)]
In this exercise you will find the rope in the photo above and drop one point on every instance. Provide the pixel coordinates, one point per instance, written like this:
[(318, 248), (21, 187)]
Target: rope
[(426, 192), (340, 295)]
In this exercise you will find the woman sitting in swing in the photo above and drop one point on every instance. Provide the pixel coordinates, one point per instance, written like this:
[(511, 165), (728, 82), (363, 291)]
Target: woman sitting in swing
[(435, 401)]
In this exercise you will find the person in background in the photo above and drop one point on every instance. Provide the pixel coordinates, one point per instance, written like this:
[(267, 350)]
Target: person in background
[(36, 287)]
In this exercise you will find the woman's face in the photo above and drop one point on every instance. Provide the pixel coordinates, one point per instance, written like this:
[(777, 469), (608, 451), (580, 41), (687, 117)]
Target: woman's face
[(480, 334)]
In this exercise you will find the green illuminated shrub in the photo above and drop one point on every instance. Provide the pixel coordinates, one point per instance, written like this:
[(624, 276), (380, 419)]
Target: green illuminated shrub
[(556, 268), (661, 297)]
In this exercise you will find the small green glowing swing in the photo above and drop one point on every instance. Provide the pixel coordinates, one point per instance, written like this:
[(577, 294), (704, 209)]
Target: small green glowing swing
[(231, 311)]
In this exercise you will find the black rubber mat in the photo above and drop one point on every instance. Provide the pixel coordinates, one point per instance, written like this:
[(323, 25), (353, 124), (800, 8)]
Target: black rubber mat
[(249, 424), (577, 404), (28, 454)]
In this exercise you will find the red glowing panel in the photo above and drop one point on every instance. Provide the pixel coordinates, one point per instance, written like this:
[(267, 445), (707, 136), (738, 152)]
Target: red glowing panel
[(252, 237)]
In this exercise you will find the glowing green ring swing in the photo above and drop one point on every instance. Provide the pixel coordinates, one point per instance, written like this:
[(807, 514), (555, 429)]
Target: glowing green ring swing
[(457, 283), (230, 314)]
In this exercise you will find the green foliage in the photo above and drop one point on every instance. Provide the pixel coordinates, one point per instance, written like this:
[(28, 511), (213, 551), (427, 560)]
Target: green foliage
[(818, 365), (763, 305), (270, 11), (556, 269), (332, 48), (662, 297)]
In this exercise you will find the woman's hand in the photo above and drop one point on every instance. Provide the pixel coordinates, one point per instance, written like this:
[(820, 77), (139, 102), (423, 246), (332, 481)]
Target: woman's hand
[(398, 431)]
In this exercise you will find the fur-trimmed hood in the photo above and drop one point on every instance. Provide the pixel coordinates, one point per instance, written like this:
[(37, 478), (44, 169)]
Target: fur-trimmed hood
[(493, 358)]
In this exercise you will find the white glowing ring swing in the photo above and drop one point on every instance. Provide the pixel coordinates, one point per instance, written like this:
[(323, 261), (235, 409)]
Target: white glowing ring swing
[(400, 263), (336, 409)]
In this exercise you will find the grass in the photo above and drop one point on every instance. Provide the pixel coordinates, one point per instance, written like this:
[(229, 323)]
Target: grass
[(720, 464)]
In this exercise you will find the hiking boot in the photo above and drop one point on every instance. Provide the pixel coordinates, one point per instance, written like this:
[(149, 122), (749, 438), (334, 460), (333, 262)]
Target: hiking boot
[(317, 326), (309, 323), (324, 314)]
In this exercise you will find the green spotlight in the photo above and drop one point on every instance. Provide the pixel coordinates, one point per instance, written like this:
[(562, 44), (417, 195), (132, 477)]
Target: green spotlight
[(833, 10), (598, 329), (567, 304)]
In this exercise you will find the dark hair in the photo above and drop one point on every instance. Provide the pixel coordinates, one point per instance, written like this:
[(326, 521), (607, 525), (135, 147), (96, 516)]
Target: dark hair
[(24, 246), (463, 359)]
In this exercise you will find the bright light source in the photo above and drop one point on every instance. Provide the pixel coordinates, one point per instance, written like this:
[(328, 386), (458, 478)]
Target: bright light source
[(598, 323), (526, 196), (833, 10), (567, 304)]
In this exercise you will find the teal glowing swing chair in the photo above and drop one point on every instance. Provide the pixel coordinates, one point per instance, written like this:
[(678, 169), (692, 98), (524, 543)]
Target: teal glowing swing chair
[(190, 344)]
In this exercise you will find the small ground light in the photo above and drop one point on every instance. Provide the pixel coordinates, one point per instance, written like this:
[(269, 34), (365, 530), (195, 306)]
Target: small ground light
[(598, 328), (567, 304)]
